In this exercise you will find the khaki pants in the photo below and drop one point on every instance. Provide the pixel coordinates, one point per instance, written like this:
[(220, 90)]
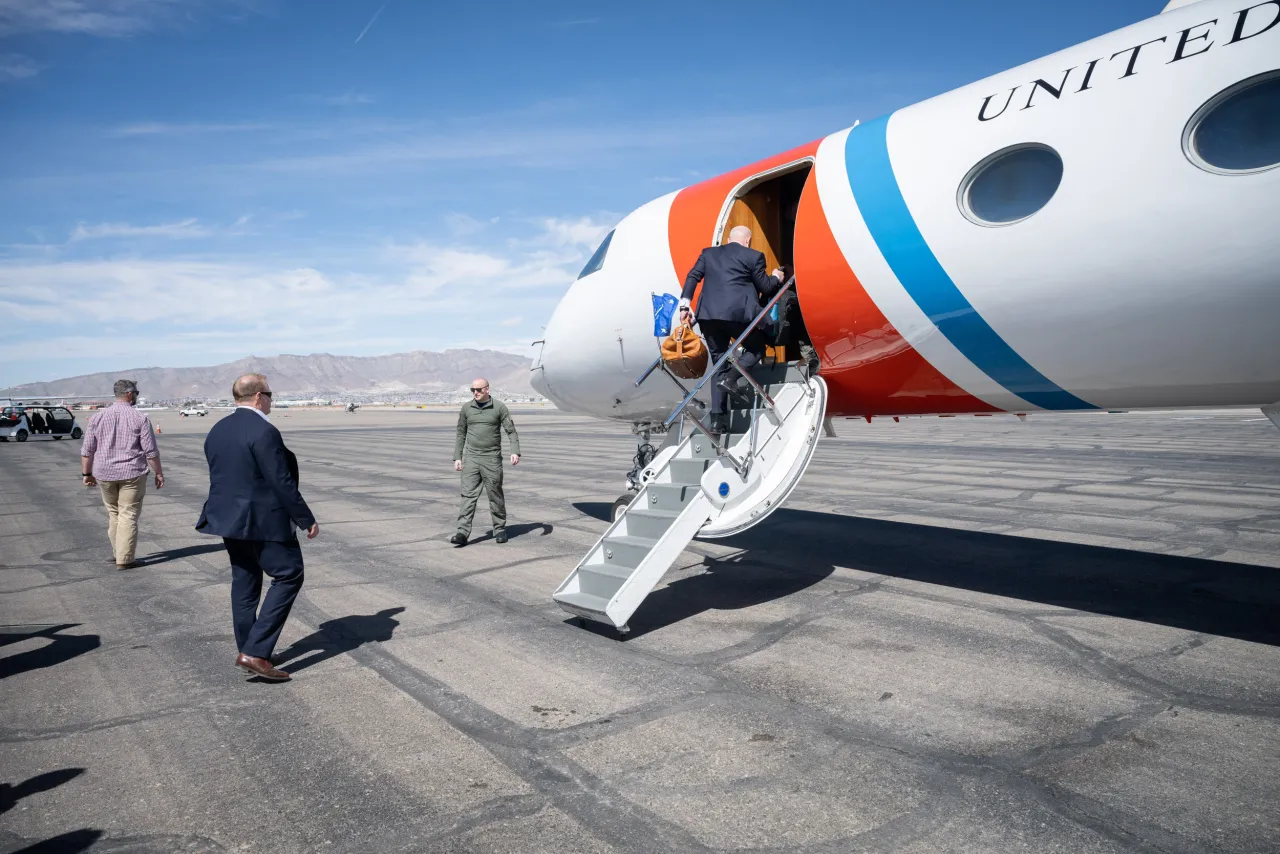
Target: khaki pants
[(123, 500)]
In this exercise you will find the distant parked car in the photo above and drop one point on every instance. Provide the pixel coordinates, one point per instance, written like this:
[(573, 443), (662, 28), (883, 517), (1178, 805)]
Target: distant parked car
[(192, 410), (20, 423)]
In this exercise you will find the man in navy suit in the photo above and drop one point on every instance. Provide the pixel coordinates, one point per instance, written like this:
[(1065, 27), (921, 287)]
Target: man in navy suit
[(254, 505), (733, 282)]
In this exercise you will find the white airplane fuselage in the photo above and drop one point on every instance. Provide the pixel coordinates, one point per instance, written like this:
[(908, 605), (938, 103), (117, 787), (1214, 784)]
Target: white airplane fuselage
[(941, 270)]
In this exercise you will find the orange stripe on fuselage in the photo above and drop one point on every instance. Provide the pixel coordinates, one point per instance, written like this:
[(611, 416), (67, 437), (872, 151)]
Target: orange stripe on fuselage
[(869, 368), (695, 210)]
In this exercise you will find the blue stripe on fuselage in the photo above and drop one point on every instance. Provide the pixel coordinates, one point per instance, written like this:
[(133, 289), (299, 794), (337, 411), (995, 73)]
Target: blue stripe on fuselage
[(876, 191)]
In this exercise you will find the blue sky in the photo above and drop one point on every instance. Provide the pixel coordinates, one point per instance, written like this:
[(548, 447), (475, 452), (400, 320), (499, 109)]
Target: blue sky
[(187, 182)]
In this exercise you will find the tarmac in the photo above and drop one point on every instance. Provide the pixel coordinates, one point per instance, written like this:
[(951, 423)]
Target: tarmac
[(959, 635)]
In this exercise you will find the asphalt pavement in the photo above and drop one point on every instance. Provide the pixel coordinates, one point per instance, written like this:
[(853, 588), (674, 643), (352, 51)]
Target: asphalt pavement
[(959, 635)]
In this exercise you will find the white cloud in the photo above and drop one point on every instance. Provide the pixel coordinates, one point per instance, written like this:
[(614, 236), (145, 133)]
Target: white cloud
[(578, 232), (464, 225), (16, 66), (346, 99), (108, 18), (185, 229), (158, 128), (383, 298)]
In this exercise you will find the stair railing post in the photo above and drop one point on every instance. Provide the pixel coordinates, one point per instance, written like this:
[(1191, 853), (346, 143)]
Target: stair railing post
[(729, 354)]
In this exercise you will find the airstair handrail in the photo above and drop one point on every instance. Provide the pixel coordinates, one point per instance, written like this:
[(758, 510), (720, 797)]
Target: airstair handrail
[(728, 354)]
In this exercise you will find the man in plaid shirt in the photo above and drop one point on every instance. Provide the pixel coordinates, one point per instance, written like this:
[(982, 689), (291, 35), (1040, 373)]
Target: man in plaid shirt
[(117, 449)]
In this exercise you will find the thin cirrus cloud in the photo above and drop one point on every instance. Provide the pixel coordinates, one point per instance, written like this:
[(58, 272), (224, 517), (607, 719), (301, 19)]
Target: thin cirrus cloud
[(346, 99), (17, 66), (169, 128), (103, 18), (181, 230)]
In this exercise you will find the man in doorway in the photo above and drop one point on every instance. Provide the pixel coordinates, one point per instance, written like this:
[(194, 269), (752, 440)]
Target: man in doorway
[(118, 447), (254, 505), (733, 283), (477, 453)]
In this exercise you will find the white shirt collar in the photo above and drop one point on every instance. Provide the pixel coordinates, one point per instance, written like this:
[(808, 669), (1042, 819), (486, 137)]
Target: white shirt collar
[(255, 410)]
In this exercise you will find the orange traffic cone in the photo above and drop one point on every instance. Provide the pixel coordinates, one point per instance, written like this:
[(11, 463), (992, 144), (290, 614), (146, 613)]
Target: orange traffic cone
[(158, 430)]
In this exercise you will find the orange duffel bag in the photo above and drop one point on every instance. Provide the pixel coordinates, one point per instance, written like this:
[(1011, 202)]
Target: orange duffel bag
[(684, 354)]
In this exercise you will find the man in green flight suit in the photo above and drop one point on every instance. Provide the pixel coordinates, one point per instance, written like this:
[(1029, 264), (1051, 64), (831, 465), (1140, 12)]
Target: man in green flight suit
[(477, 453)]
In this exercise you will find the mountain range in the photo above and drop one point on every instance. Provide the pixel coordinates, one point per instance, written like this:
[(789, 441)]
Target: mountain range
[(316, 374)]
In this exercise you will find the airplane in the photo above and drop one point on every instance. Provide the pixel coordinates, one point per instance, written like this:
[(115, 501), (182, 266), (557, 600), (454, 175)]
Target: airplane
[(1090, 231)]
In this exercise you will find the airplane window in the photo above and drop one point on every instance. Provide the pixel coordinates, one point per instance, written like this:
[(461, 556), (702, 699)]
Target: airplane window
[(1011, 185), (597, 260), (1238, 130)]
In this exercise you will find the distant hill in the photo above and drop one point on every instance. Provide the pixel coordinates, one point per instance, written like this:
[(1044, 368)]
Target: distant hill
[(317, 374)]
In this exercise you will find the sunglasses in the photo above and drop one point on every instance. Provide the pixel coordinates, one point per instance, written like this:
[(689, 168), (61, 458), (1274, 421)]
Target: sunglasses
[(473, 388), (266, 393)]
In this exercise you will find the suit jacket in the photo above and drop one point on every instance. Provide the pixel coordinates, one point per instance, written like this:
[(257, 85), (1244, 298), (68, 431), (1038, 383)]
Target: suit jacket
[(253, 482), (733, 280)]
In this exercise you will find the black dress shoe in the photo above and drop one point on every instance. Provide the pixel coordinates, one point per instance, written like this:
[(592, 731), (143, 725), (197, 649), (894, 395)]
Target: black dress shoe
[(500, 538), (458, 540)]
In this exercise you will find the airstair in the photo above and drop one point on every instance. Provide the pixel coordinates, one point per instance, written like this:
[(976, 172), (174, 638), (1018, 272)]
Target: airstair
[(698, 486)]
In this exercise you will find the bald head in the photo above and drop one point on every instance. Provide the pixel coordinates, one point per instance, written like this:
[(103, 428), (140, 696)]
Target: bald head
[(480, 389), (252, 390), (740, 234)]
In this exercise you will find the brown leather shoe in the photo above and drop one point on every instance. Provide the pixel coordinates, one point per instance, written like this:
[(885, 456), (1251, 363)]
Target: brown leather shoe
[(261, 667)]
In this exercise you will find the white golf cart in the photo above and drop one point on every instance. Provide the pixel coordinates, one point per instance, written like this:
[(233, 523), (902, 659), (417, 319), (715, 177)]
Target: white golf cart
[(37, 421)]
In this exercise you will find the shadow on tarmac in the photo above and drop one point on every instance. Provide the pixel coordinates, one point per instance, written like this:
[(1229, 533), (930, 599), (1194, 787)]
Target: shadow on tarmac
[(10, 795), (66, 843), (794, 549), (178, 554), (335, 637), (60, 648), (514, 531)]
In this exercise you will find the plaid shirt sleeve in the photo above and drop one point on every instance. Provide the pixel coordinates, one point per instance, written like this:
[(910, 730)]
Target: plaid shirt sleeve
[(147, 438), (90, 445)]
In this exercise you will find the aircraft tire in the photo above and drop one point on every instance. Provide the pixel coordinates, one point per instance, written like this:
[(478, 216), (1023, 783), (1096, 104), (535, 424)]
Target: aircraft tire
[(618, 506), (22, 436)]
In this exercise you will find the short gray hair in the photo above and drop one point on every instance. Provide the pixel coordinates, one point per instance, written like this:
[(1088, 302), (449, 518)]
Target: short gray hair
[(125, 387)]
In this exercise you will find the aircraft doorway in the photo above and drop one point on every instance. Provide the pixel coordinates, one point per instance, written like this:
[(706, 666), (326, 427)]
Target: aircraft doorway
[(768, 205)]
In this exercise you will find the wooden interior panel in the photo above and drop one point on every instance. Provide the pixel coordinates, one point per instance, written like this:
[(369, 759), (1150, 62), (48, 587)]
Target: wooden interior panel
[(761, 211)]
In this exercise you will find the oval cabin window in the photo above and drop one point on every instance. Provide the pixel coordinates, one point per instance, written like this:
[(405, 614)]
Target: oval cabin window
[(1011, 185), (1238, 130)]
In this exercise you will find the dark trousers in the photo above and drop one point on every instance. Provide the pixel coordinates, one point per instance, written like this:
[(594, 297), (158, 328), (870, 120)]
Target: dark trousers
[(477, 472), (718, 335), (257, 630)]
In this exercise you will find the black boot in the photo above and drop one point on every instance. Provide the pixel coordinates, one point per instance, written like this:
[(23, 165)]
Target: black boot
[(458, 539)]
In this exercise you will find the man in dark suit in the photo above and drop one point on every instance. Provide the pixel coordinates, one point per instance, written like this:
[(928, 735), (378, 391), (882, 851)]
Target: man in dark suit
[(733, 282), (254, 505)]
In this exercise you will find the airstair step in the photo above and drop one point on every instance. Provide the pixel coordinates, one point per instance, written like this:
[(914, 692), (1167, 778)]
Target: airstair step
[(670, 497), (687, 471), (583, 601), (602, 580), (702, 448), (649, 523), (626, 551)]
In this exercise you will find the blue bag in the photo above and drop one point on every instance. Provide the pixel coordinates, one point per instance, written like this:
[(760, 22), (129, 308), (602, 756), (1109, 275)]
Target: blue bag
[(664, 306)]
